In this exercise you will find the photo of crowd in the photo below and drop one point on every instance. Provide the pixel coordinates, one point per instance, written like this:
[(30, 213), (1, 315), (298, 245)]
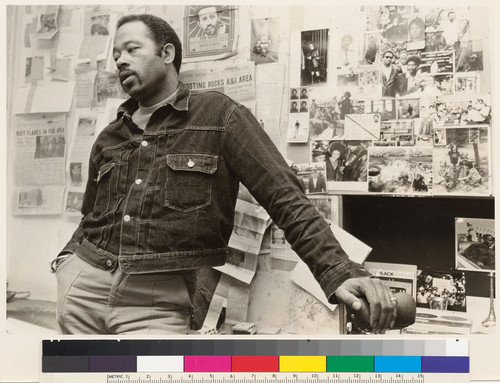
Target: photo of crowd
[(417, 71), (444, 291), (400, 170)]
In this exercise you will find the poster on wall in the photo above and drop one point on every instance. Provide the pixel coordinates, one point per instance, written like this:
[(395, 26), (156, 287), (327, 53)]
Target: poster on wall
[(475, 244), (210, 32)]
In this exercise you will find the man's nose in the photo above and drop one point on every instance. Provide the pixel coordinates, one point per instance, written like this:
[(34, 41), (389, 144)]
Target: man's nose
[(122, 61)]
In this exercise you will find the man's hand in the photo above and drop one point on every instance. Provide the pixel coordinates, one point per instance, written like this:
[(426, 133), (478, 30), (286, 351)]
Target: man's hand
[(380, 307)]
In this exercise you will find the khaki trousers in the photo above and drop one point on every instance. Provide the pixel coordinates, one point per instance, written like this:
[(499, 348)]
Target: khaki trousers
[(95, 301)]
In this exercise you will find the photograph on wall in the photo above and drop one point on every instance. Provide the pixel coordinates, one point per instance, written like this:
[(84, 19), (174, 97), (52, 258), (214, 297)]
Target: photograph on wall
[(74, 202), (442, 82), (34, 68), (346, 163), (462, 110), (348, 79), (75, 173), (314, 57), (38, 200), (371, 50), (447, 28), (441, 291), (439, 136), (470, 57), (400, 170), (312, 177), (298, 127), (264, 40), (347, 50), (397, 133), (369, 86), (394, 23), (462, 166), (386, 108), (467, 83), (437, 62), (47, 23), (475, 244), (210, 32), (416, 32), (326, 112), (408, 108)]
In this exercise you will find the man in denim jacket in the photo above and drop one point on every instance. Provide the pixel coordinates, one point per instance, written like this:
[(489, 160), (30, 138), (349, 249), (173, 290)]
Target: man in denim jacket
[(159, 203)]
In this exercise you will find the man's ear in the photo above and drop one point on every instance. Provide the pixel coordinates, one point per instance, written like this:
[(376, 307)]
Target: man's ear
[(168, 53)]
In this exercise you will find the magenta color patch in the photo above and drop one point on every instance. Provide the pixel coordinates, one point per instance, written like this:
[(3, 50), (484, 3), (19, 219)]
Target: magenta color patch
[(207, 363)]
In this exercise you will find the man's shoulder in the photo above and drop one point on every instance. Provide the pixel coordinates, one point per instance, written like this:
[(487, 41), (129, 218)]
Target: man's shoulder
[(213, 97)]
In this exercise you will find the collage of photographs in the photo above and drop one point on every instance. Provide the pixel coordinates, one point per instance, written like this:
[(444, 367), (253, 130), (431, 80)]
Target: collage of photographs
[(404, 113)]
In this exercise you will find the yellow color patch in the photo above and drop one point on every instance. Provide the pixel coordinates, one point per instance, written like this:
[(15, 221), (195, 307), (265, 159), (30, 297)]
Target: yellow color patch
[(302, 363)]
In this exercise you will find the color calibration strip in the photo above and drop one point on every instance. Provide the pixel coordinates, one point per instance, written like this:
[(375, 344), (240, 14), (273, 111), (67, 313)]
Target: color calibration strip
[(242, 355)]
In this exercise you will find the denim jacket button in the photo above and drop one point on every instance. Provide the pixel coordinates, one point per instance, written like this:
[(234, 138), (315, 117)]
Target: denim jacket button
[(126, 218), (190, 163), (109, 263), (144, 143)]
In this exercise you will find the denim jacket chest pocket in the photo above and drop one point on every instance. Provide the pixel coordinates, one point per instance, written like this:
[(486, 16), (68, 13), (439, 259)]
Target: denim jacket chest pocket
[(189, 181)]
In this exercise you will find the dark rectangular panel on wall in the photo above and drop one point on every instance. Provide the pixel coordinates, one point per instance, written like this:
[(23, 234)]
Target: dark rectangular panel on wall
[(418, 231)]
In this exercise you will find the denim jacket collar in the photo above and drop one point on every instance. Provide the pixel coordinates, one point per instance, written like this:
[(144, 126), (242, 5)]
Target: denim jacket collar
[(180, 102)]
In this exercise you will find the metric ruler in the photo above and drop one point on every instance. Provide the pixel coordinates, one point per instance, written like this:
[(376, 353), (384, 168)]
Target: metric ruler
[(255, 378)]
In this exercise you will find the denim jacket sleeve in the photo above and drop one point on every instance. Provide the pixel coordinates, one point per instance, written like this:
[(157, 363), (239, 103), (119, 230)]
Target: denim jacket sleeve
[(87, 206), (256, 162)]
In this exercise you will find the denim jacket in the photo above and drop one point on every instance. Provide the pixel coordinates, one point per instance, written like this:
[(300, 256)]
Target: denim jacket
[(163, 199)]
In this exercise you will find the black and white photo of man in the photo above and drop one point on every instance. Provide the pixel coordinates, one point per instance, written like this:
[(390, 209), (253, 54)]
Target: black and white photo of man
[(209, 21), (314, 46)]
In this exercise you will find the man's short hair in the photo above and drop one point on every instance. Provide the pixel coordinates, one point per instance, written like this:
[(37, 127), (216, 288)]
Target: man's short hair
[(201, 7), (161, 32)]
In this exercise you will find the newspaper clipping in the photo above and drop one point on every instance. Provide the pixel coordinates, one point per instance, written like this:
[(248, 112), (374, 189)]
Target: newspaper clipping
[(39, 167)]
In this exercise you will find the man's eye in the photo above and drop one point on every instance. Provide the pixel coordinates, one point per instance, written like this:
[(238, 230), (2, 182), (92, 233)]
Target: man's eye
[(133, 49)]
